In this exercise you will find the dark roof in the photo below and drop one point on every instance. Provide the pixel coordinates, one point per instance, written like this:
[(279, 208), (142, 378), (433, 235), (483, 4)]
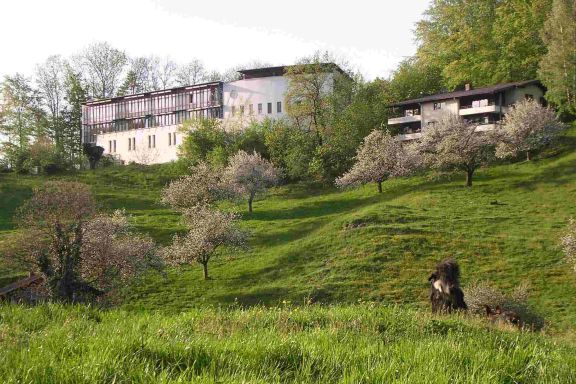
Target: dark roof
[(477, 91), (281, 70)]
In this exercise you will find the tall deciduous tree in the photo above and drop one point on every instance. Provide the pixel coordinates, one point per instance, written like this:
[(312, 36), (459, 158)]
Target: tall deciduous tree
[(454, 144), (315, 90), (163, 72), (527, 127), (51, 77), (21, 116), (191, 73), (482, 42), (208, 231), (102, 67), (249, 175), (381, 156), (558, 66)]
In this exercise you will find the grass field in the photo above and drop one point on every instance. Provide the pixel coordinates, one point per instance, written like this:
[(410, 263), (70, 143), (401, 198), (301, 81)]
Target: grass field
[(321, 244), (360, 343)]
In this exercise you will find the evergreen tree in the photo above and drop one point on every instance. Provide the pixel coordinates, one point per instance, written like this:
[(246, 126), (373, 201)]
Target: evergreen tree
[(72, 116)]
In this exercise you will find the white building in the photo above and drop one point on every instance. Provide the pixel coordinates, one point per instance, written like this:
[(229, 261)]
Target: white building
[(485, 106), (144, 128)]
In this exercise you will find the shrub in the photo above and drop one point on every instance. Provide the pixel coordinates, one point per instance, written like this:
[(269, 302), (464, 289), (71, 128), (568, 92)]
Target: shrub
[(569, 243), (480, 294)]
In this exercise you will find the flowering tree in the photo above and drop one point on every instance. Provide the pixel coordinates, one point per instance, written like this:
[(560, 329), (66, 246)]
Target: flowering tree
[(379, 157), (527, 127), (569, 243), (249, 175), (201, 187), (80, 254), (209, 229), (113, 253), (454, 144)]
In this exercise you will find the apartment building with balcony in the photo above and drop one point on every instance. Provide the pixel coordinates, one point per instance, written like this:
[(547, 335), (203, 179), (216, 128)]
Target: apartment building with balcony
[(145, 128), (484, 106)]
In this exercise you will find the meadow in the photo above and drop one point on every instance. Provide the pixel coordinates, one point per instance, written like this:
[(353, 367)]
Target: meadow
[(361, 343), (333, 287), (313, 243)]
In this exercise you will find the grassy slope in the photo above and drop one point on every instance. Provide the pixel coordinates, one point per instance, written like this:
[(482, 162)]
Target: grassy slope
[(348, 344), (301, 249)]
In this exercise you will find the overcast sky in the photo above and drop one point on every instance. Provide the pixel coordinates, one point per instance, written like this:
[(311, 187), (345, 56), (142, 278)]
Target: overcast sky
[(373, 35)]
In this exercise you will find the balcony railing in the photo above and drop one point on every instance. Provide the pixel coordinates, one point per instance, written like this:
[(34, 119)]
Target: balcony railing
[(490, 108), (405, 119)]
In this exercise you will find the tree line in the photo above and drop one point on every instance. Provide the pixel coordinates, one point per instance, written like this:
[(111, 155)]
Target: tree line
[(40, 116)]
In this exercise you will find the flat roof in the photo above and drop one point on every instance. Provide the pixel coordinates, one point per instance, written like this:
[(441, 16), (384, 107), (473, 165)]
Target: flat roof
[(281, 70), (472, 92)]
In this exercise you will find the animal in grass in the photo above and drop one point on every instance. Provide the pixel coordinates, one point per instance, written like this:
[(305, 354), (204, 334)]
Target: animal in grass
[(445, 292), (498, 315)]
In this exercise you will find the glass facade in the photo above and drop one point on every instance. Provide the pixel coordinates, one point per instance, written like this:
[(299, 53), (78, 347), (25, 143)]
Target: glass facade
[(155, 109)]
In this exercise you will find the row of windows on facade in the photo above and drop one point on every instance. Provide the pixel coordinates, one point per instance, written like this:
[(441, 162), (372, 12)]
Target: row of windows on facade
[(151, 142), (193, 99), (260, 108), (90, 131)]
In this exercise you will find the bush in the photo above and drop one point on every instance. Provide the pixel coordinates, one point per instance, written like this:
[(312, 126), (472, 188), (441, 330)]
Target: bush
[(480, 294)]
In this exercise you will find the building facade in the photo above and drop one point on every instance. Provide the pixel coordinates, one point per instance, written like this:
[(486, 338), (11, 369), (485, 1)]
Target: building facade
[(144, 128), (484, 106)]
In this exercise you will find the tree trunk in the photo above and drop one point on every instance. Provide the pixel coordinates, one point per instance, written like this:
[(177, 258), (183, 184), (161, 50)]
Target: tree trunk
[(205, 267), (379, 187), (528, 158), (469, 175), (250, 199)]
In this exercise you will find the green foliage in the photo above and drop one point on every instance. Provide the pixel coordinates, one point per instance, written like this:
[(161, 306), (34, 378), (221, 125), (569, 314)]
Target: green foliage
[(208, 140), (20, 117), (337, 344), (414, 78), (483, 42), (558, 66)]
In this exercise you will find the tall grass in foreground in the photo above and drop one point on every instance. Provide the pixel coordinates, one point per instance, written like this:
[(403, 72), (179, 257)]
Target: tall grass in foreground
[(348, 344)]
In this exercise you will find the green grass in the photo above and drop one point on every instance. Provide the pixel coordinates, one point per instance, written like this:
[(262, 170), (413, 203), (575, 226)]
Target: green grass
[(504, 229), (335, 344)]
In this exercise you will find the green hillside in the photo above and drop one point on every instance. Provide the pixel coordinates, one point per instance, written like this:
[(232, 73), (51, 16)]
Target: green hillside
[(325, 245), (345, 344)]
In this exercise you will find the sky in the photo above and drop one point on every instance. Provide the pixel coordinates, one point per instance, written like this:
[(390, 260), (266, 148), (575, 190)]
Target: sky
[(372, 35)]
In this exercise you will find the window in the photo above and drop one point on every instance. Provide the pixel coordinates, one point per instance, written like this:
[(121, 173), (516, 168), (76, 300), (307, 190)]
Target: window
[(438, 106), (110, 146), (133, 143), (431, 123), (174, 138), (269, 108), (233, 110), (260, 108), (114, 145), (153, 141), (251, 109), (169, 138), (279, 107), (242, 110), (129, 143)]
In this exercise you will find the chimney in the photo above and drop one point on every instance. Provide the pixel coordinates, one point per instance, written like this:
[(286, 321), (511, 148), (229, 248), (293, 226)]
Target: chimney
[(467, 87)]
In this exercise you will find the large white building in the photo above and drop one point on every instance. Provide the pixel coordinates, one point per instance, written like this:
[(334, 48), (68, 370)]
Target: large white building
[(144, 128), (485, 106)]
